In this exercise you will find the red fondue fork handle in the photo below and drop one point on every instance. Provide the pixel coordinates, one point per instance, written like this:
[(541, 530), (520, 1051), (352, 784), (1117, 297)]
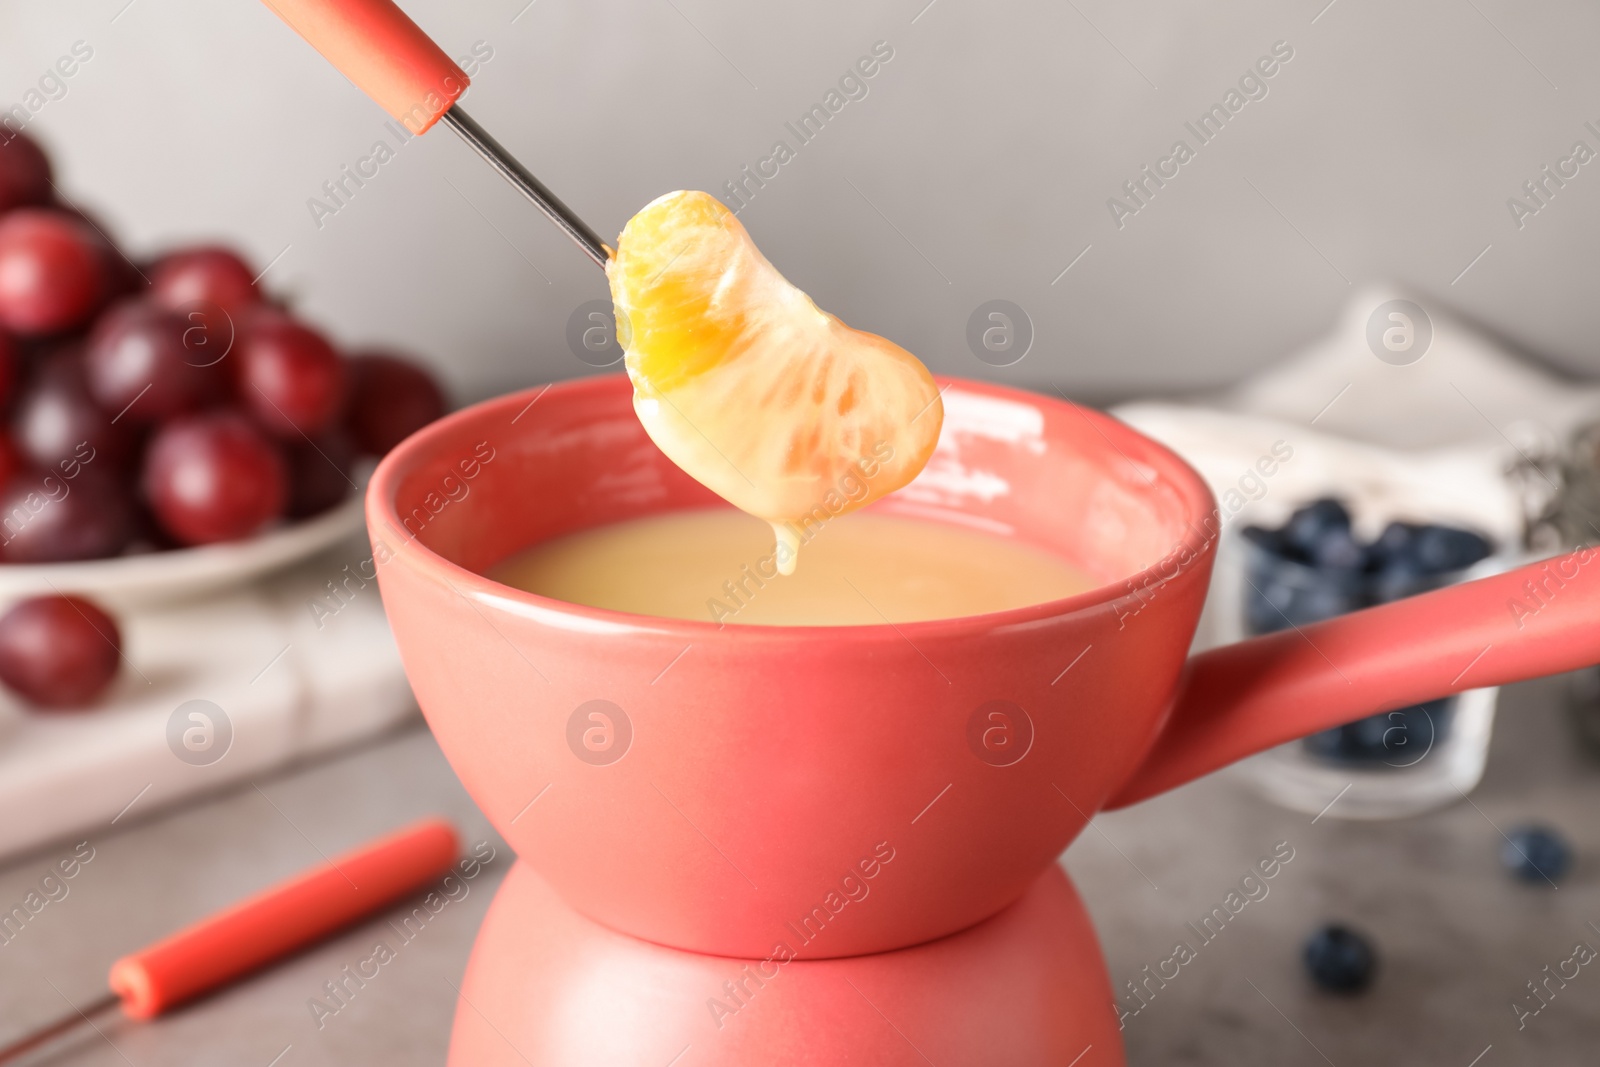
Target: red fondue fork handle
[(282, 918), (383, 52), (1237, 700), (388, 57)]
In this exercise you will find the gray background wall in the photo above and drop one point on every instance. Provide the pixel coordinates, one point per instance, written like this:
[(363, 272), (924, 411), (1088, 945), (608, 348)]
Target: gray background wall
[(978, 166)]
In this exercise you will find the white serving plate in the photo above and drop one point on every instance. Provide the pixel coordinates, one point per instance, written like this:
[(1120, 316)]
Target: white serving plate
[(156, 578)]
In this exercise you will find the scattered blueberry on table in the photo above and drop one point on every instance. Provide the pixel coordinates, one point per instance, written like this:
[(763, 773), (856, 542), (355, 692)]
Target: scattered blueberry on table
[(1536, 854), (1340, 960), (1315, 567)]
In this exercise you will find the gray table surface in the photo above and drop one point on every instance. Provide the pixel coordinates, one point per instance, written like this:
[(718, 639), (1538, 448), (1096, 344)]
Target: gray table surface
[(1458, 937)]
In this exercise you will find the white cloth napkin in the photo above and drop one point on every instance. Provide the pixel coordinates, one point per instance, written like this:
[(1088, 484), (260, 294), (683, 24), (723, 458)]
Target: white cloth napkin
[(1431, 440), (291, 681)]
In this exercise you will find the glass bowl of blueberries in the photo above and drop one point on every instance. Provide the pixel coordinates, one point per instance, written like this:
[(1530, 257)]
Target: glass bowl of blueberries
[(1317, 566)]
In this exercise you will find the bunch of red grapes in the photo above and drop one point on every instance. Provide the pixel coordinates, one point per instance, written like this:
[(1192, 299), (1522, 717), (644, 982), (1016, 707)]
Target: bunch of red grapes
[(169, 404), (158, 406)]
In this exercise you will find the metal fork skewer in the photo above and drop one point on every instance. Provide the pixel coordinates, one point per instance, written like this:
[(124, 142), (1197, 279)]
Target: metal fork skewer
[(529, 186), (52, 1030)]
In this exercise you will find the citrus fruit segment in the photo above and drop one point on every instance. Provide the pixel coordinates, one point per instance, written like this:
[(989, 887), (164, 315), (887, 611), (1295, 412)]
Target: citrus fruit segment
[(764, 398)]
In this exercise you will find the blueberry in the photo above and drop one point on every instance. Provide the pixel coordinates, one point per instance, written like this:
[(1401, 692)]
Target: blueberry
[(1401, 576), (1397, 542), (1309, 525), (1324, 595), (1442, 549), (1415, 730), (1536, 854), (1290, 594), (1338, 550), (1340, 960), (1273, 583), (1265, 604), (1408, 558), (1271, 542), (1400, 738)]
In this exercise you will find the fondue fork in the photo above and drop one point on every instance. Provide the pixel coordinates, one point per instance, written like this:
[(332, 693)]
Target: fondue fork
[(387, 56), (262, 929)]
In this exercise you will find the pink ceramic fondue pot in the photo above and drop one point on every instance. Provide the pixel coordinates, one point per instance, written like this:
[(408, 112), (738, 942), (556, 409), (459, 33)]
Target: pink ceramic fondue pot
[(845, 790)]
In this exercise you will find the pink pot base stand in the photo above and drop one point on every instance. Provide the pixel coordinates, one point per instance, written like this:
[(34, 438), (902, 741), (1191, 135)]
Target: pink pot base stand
[(546, 987)]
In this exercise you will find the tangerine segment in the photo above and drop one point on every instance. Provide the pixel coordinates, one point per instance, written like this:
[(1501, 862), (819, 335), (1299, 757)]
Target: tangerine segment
[(764, 398)]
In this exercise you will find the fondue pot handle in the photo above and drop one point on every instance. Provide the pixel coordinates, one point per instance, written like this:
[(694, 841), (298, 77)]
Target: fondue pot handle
[(386, 55), (1237, 700)]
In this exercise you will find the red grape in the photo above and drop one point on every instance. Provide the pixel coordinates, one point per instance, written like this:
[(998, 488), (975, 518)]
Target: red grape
[(58, 651), (53, 272), (57, 422), (137, 362), (390, 399), (211, 288), (24, 172), (123, 276), (289, 377), (208, 336), (320, 473), (204, 275), (12, 461), (214, 477), (10, 358), (46, 517)]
